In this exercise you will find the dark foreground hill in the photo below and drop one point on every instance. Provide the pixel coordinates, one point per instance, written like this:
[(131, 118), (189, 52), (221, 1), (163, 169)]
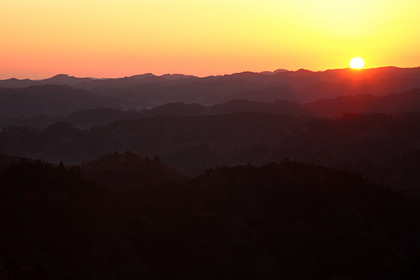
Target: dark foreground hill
[(128, 171), (280, 221)]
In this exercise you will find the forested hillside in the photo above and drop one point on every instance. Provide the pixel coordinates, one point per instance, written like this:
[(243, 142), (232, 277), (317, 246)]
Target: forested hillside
[(283, 220)]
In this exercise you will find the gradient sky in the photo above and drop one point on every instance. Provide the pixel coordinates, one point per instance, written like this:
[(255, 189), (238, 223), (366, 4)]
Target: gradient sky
[(116, 38)]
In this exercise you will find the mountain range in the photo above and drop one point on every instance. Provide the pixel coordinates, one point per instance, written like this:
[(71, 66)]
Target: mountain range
[(272, 175), (303, 86)]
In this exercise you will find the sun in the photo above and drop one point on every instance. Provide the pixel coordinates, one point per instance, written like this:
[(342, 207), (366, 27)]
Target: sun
[(356, 63)]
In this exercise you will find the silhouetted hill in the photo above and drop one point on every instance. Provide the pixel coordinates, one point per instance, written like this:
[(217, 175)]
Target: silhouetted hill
[(5, 161), (16, 83), (399, 102), (408, 101), (330, 108), (283, 220), (64, 79), (101, 116), (57, 225), (314, 207), (230, 107), (48, 99), (177, 109), (83, 119), (241, 106), (53, 99), (147, 136), (128, 171)]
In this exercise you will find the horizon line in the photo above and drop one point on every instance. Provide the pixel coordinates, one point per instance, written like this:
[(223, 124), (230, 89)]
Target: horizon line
[(199, 76)]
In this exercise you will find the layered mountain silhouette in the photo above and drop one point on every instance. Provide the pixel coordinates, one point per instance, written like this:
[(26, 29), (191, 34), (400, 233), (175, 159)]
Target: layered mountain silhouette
[(41, 106), (272, 175), (383, 147), (304, 86)]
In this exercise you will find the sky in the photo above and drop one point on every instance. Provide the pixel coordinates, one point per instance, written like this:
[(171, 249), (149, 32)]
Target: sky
[(117, 38)]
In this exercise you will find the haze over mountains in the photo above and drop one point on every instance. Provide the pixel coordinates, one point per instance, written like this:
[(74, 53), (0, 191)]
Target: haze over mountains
[(76, 119), (41, 106), (302, 86), (273, 175), (321, 94)]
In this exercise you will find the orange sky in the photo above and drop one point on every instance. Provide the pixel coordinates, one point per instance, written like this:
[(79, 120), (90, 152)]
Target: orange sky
[(116, 38)]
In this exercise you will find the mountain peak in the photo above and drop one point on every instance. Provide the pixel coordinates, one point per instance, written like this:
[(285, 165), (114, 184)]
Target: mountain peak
[(142, 76), (60, 76), (64, 79)]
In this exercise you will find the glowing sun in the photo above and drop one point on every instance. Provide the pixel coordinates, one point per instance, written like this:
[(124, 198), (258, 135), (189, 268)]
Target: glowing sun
[(357, 63)]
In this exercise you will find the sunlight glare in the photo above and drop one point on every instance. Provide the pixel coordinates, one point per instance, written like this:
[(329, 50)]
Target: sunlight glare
[(357, 63)]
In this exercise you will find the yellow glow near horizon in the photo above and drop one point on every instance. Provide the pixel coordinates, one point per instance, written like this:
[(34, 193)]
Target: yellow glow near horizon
[(115, 38)]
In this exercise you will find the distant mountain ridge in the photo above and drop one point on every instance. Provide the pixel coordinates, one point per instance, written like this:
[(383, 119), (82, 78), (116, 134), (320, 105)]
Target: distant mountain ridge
[(149, 90), (48, 99)]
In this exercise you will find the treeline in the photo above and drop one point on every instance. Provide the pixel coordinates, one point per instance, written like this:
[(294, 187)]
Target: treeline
[(283, 220)]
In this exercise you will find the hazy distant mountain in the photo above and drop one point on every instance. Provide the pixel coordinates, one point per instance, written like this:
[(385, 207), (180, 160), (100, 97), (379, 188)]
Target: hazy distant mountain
[(43, 112), (408, 101), (280, 71), (241, 106), (64, 79), (49, 99), (377, 81), (101, 116), (395, 103), (334, 93), (177, 109), (149, 90), (233, 106), (16, 83)]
